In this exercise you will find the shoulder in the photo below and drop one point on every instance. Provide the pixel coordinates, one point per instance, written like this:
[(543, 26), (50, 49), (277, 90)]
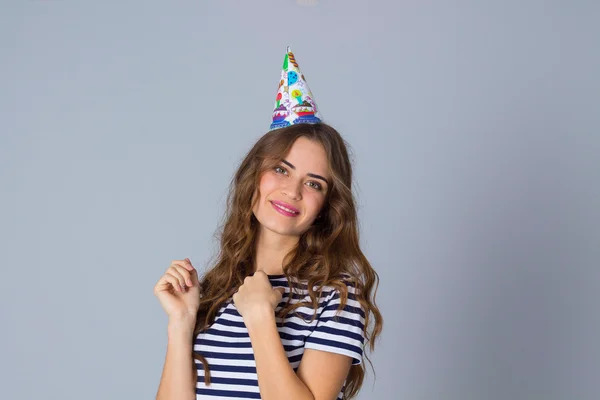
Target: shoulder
[(343, 296), (345, 285)]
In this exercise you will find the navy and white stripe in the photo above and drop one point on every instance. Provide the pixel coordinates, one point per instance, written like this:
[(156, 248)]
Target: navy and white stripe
[(227, 348)]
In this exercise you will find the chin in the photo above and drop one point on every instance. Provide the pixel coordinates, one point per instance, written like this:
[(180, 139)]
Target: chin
[(281, 230)]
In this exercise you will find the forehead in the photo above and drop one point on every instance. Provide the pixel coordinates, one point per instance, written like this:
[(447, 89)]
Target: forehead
[(308, 155)]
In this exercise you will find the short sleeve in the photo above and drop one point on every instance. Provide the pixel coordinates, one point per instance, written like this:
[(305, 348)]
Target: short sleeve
[(343, 332)]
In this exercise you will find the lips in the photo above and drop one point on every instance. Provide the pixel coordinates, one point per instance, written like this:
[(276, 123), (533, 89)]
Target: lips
[(285, 209)]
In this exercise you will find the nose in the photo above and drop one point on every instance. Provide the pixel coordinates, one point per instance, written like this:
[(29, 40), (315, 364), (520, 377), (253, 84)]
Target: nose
[(293, 189)]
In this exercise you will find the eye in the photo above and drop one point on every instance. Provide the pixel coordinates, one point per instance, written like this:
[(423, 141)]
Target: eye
[(279, 169), (316, 185)]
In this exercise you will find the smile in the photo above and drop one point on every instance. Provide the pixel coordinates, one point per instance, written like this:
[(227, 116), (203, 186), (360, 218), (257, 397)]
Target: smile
[(284, 210)]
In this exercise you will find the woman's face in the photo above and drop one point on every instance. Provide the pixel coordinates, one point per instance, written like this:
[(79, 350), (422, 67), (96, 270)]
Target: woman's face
[(293, 193)]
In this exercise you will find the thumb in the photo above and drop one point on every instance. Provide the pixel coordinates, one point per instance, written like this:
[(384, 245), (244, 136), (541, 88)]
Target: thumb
[(193, 273), (280, 290)]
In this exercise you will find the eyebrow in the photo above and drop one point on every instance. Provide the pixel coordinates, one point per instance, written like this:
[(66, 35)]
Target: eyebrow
[(289, 164)]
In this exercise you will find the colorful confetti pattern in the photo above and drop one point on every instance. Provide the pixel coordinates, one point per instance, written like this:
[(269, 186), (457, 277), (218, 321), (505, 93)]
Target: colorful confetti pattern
[(294, 103)]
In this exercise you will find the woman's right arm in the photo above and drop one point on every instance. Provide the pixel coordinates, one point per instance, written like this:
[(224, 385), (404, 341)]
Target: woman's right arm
[(179, 376), (178, 291)]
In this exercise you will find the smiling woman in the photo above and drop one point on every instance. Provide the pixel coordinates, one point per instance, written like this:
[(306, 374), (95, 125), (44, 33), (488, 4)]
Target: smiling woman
[(289, 307), (293, 192), (289, 194)]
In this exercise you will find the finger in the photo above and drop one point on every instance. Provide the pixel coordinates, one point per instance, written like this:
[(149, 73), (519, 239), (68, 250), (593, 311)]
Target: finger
[(194, 275), (161, 286), (180, 279), (187, 264), (193, 272), (184, 273), (167, 282)]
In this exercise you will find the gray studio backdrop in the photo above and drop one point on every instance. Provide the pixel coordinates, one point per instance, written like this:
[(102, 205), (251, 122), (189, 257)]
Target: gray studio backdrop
[(474, 129)]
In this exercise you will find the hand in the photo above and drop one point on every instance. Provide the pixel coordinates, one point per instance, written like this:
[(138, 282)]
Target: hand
[(256, 295), (178, 290)]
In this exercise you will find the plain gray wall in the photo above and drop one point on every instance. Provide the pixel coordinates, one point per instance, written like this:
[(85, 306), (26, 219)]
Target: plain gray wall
[(475, 134)]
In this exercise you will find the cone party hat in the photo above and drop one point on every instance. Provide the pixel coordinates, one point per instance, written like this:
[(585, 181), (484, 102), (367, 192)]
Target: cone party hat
[(294, 103)]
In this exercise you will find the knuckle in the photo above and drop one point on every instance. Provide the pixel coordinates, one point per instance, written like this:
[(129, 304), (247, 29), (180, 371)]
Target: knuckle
[(172, 278)]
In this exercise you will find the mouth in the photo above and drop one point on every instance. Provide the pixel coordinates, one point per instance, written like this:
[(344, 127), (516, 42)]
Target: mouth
[(285, 209)]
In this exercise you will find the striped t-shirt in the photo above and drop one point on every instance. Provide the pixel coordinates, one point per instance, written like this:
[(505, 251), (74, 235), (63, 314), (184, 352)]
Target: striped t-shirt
[(228, 351)]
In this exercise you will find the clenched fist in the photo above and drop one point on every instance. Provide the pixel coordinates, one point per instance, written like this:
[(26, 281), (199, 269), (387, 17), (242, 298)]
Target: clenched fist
[(178, 290)]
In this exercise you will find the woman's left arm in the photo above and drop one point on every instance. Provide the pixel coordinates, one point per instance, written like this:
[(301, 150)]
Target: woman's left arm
[(276, 377), (321, 374), (321, 371)]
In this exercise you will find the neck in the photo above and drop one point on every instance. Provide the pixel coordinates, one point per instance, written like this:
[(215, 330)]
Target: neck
[(271, 248)]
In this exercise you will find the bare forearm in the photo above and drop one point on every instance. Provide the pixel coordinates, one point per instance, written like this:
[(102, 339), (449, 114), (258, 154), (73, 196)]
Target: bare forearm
[(276, 377), (177, 381)]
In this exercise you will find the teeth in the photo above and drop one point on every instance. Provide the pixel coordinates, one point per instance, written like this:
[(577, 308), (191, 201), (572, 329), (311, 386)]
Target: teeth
[(286, 209)]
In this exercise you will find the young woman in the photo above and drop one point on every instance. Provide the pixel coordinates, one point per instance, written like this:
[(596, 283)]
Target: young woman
[(289, 306)]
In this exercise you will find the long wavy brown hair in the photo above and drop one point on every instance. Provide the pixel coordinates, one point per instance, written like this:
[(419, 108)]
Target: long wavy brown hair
[(327, 251)]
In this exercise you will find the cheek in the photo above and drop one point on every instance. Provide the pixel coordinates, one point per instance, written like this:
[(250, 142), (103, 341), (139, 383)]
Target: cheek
[(314, 202), (267, 184)]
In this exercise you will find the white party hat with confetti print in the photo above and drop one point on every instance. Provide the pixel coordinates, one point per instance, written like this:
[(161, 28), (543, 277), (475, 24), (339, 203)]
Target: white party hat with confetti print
[(294, 103)]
